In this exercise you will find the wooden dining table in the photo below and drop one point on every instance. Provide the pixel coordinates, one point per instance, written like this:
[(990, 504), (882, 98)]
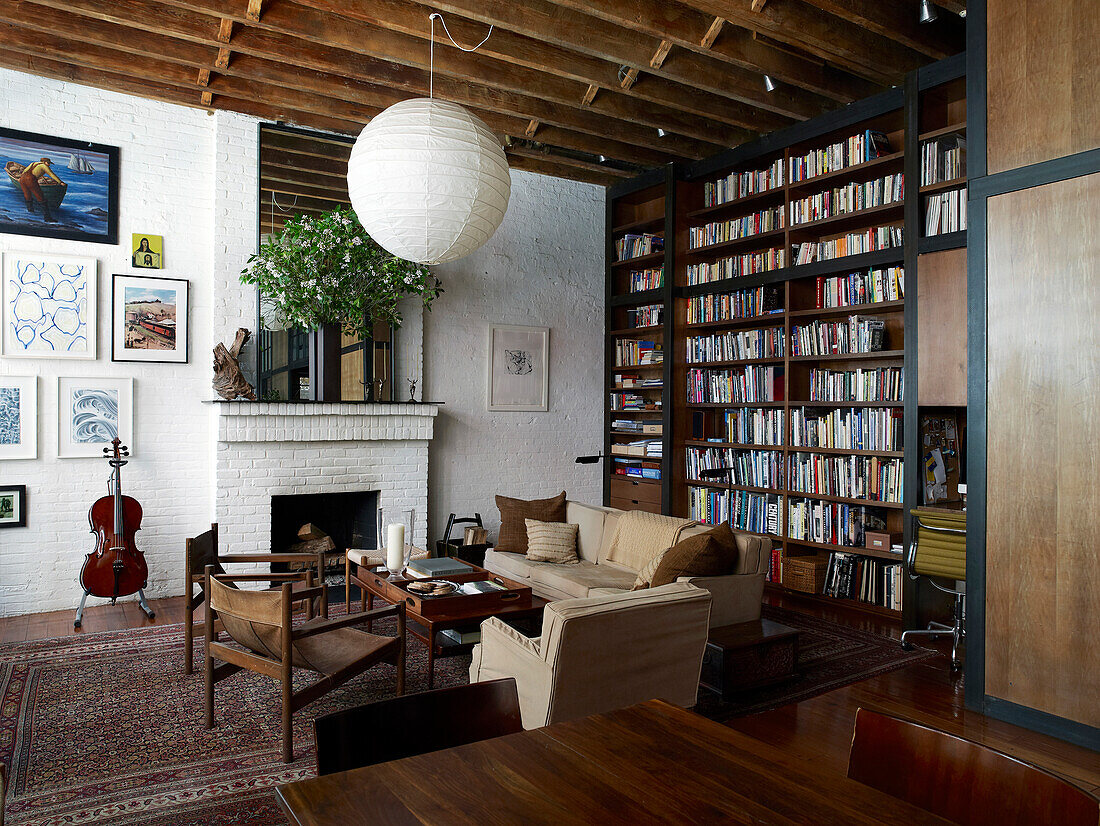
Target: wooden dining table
[(650, 763)]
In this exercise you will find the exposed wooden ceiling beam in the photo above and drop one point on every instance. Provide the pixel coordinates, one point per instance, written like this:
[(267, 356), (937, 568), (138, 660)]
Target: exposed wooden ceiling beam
[(316, 68), (898, 21), (254, 8), (565, 160), (556, 170), (954, 6), (659, 56), (537, 30), (820, 33), (702, 32), (531, 129)]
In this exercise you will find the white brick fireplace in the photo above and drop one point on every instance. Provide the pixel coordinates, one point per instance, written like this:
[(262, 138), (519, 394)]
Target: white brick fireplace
[(268, 449)]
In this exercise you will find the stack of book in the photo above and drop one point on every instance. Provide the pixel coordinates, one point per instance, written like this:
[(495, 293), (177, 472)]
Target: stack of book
[(832, 523), (753, 512), (871, 287), (637, 426), (629, 380), (860, 334), (641, 468), (635, 246), (634, 353), (648, 315), (749, 468), (859, 148), (633, 401), (754, 383), (945, 212), (943, 159), (437, 566), (640, 447), (755, 425), (849, 477)]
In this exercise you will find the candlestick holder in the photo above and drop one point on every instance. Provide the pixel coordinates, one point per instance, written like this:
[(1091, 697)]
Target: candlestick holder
[(395, 539)]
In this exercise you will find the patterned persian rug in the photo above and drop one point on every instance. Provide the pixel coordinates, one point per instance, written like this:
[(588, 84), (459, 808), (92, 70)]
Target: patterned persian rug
[(106, 729)]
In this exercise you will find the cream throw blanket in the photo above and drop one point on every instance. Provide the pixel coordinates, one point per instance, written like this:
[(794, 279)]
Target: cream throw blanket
[(640, 536)]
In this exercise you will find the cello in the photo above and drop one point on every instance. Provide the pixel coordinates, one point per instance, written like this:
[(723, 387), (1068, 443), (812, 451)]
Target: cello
[(116, 568)]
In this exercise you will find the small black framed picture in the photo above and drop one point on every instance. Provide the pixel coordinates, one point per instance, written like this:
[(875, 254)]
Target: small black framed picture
[(58, 188), (149, 319), (13, 506)]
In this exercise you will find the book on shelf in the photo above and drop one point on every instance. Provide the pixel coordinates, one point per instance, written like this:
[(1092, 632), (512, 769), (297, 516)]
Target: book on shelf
[(736, 346), (848, 199), (859, 148), (648, 315), (848, 428), (831, 523), (640, 468), (945, 212), (649, 279), (753, 512), (943, 159), (872, 287), (775, 565), (877, 384), (637, 426), (749, 468), (873, 478), (635, 353), (871, 239), (733, 306), (859, 334), (738, 185), (755, 425), (736, 266), (719, 232), (632, 401), (874, 581), (641, 447), (633, 245), (752, 383)]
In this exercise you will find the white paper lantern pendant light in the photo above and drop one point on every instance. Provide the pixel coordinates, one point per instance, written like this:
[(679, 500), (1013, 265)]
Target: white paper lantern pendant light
[(428, 180)]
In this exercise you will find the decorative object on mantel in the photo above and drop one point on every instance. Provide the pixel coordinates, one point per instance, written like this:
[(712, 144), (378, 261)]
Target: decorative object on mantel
[(229, 381), (328, 270), (427, 178)]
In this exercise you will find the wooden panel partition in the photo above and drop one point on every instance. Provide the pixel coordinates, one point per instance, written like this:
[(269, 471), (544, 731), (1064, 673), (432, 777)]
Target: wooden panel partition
[(1043, 498), (941, 328), (1043, 77)]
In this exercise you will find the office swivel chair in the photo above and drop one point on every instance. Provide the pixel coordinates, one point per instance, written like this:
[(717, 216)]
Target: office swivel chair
[(938, 554)]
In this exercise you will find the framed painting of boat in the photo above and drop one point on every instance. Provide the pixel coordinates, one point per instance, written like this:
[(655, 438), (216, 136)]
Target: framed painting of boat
[(58, 188)]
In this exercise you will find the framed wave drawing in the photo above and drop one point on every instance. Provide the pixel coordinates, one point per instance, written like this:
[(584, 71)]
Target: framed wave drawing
[(90, 413), (49, 306), (18, 417)]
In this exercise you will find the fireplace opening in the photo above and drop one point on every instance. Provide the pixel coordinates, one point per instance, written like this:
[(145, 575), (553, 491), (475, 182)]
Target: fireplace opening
[(348, 519)]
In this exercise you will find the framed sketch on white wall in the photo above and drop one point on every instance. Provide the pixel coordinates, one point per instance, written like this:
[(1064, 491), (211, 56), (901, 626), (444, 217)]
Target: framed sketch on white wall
[(518, 367)]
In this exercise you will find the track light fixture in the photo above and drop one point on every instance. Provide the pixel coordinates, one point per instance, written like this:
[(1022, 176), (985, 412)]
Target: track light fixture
[(661, 132), (769, 84), (928, 11), (603, 158)]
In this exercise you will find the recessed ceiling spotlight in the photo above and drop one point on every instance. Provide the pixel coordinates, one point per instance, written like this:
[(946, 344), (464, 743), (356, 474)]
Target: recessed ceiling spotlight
[(661, 132), (928, 11), (962, 13), (602, 158), (769, 84)]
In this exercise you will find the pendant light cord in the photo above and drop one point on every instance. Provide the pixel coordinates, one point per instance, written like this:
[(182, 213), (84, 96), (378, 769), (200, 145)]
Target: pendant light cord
[(431, 63)]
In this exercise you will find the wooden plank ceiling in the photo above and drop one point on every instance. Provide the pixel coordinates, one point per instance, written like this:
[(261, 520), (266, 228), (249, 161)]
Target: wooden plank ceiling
[(562, 81)]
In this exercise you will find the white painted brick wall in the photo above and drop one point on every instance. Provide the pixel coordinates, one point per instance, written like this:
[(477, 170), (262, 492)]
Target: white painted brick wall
[(190, 177), (543, 267)]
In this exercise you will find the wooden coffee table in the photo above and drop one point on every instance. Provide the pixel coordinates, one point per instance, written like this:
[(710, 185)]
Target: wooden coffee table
[(429, 616)]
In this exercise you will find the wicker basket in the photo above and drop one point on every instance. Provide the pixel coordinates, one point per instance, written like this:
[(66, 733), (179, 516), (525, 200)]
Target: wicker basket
[(805, 573)]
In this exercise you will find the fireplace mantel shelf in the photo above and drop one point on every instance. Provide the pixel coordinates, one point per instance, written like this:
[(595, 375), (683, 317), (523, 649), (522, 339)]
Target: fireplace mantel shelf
[(324, 421)]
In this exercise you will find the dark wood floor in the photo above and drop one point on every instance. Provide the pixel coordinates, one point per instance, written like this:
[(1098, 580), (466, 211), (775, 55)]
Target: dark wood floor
[(817, 729)]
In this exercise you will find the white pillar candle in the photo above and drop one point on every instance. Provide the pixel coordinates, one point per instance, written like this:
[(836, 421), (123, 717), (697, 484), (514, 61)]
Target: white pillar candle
[(395, 547)]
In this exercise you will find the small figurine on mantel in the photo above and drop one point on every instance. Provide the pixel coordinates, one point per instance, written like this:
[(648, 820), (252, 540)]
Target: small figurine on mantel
[(229, 381)]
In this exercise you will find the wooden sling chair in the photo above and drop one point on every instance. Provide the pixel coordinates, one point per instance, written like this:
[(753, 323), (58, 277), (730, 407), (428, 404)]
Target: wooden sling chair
[(261, 623), (202, 550)]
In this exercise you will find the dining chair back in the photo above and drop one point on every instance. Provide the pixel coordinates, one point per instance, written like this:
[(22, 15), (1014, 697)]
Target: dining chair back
[(416, 724), (961, 780)]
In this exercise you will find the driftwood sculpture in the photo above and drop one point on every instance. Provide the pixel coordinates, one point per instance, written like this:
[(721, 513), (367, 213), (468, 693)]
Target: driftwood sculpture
[(229, 381)]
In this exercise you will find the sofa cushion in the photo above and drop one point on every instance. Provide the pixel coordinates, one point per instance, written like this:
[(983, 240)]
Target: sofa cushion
[(713, 553), (576, 580), (645, 576), (589, 520), (513, 531), (641, 535), (552, 542), (513, 566)]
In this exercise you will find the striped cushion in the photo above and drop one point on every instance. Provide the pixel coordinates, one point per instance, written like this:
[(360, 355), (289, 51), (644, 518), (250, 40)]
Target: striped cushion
[(645, 576), (551, 542)]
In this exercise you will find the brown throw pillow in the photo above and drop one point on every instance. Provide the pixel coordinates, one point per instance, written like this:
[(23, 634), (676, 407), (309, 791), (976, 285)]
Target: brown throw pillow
[(513, 531), (713, 553)]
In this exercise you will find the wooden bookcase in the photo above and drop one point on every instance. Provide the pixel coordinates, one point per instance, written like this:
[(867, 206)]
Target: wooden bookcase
[(781, 296)]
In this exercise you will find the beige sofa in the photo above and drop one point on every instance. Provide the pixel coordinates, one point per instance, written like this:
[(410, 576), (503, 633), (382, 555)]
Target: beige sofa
[(601, 653), (737, 596)]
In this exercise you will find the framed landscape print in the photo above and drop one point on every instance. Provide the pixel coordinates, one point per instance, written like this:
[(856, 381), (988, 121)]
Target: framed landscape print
[(58, 188), (49, 306), (148, 251), (13, 506), (518, 360), (149, 319), (18, 417), (90, 413)]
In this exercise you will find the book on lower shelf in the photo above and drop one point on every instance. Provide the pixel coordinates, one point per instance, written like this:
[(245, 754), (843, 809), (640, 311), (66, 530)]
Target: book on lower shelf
[(945, 212), (639, 468), (859, 578), (462, 637), (872, 287)]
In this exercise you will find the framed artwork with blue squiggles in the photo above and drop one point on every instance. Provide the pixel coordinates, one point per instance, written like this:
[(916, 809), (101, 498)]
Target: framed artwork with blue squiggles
[(49, 306), (91, 412)]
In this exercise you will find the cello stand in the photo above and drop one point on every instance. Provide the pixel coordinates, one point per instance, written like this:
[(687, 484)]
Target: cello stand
[(141, 602)]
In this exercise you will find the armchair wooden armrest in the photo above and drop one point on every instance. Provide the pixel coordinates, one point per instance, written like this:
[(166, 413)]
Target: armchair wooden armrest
[(322, 625)]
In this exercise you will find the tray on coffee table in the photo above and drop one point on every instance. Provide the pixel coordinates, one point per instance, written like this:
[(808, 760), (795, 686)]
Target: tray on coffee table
[(514, 595)]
